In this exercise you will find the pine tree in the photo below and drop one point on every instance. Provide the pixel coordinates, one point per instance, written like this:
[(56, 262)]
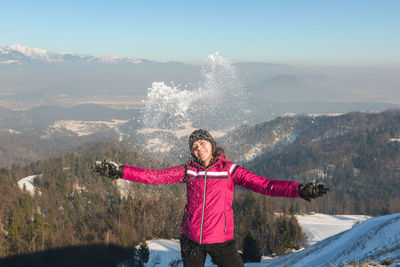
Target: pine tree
[(251, 250), (143, 252)]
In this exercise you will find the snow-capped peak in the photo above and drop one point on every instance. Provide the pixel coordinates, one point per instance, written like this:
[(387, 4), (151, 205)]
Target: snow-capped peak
[(20, 54), (32, 52)]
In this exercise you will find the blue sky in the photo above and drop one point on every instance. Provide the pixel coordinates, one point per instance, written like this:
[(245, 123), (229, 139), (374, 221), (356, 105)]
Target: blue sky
[(350, 32)]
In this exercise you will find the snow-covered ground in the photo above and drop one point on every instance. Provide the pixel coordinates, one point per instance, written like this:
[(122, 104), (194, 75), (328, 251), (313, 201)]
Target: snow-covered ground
[(28, 183), (375, 239), (318, 226), (345, 239), (163, 251)]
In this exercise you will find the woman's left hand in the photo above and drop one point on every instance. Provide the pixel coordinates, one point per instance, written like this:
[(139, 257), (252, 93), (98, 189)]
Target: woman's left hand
[(312, 190), (109, 169)]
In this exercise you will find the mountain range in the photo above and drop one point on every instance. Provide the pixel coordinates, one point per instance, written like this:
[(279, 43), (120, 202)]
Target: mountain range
[(19, 55), (33, 76)]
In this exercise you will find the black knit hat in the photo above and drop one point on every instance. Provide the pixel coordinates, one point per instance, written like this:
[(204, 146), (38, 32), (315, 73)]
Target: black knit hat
[(201, 135)]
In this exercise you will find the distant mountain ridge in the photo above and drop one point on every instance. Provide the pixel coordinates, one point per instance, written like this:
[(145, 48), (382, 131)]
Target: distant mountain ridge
[(35, 76), (19, 54)]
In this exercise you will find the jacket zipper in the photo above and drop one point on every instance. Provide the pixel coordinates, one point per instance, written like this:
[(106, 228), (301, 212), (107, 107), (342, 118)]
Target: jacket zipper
[(204, 205)]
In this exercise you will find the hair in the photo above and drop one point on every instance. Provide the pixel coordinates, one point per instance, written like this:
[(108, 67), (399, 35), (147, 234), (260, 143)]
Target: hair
[(218, 151)]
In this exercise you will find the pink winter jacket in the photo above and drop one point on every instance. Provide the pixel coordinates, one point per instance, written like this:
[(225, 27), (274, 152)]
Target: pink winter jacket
[(208, 215)]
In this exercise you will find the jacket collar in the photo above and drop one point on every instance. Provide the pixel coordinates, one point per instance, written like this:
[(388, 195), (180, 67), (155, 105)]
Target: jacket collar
[(216, 161)]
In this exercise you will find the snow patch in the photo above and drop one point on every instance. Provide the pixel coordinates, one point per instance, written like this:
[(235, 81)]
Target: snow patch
[(82, 128), (115, 59), (325, 114), (9, 62), (29, 184), (79, 188), (158, 145), (317, 173), (10, 131), (260, 147), (256, 150), (123, 188), (289, 115)]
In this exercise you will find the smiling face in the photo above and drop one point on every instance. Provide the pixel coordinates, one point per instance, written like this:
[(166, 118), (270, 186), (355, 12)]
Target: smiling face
[(202, 150)]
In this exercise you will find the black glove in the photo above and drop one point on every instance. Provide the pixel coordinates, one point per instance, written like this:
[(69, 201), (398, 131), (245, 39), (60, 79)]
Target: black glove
[(109, 169), (312, 190)]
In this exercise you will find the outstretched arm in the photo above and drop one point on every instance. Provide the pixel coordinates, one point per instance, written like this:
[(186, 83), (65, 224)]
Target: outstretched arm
[(172, 175), (113, 170), (277, 188), (270, 187)]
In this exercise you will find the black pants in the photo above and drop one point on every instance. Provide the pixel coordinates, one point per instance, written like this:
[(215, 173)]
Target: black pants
[(223, 254)]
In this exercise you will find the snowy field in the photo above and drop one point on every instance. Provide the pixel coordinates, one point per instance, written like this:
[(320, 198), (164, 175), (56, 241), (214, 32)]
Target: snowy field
[(318, 226), (336, 239)]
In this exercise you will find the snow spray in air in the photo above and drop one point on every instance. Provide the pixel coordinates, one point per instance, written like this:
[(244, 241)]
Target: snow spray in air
[(215, 103)]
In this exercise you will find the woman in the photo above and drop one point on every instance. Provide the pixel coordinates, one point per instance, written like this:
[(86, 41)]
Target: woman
[(207, 224)]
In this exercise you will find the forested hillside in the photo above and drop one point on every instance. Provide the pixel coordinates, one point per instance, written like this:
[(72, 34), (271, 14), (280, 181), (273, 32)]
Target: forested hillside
[(357, 155), (73, 207), (76, 207)]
